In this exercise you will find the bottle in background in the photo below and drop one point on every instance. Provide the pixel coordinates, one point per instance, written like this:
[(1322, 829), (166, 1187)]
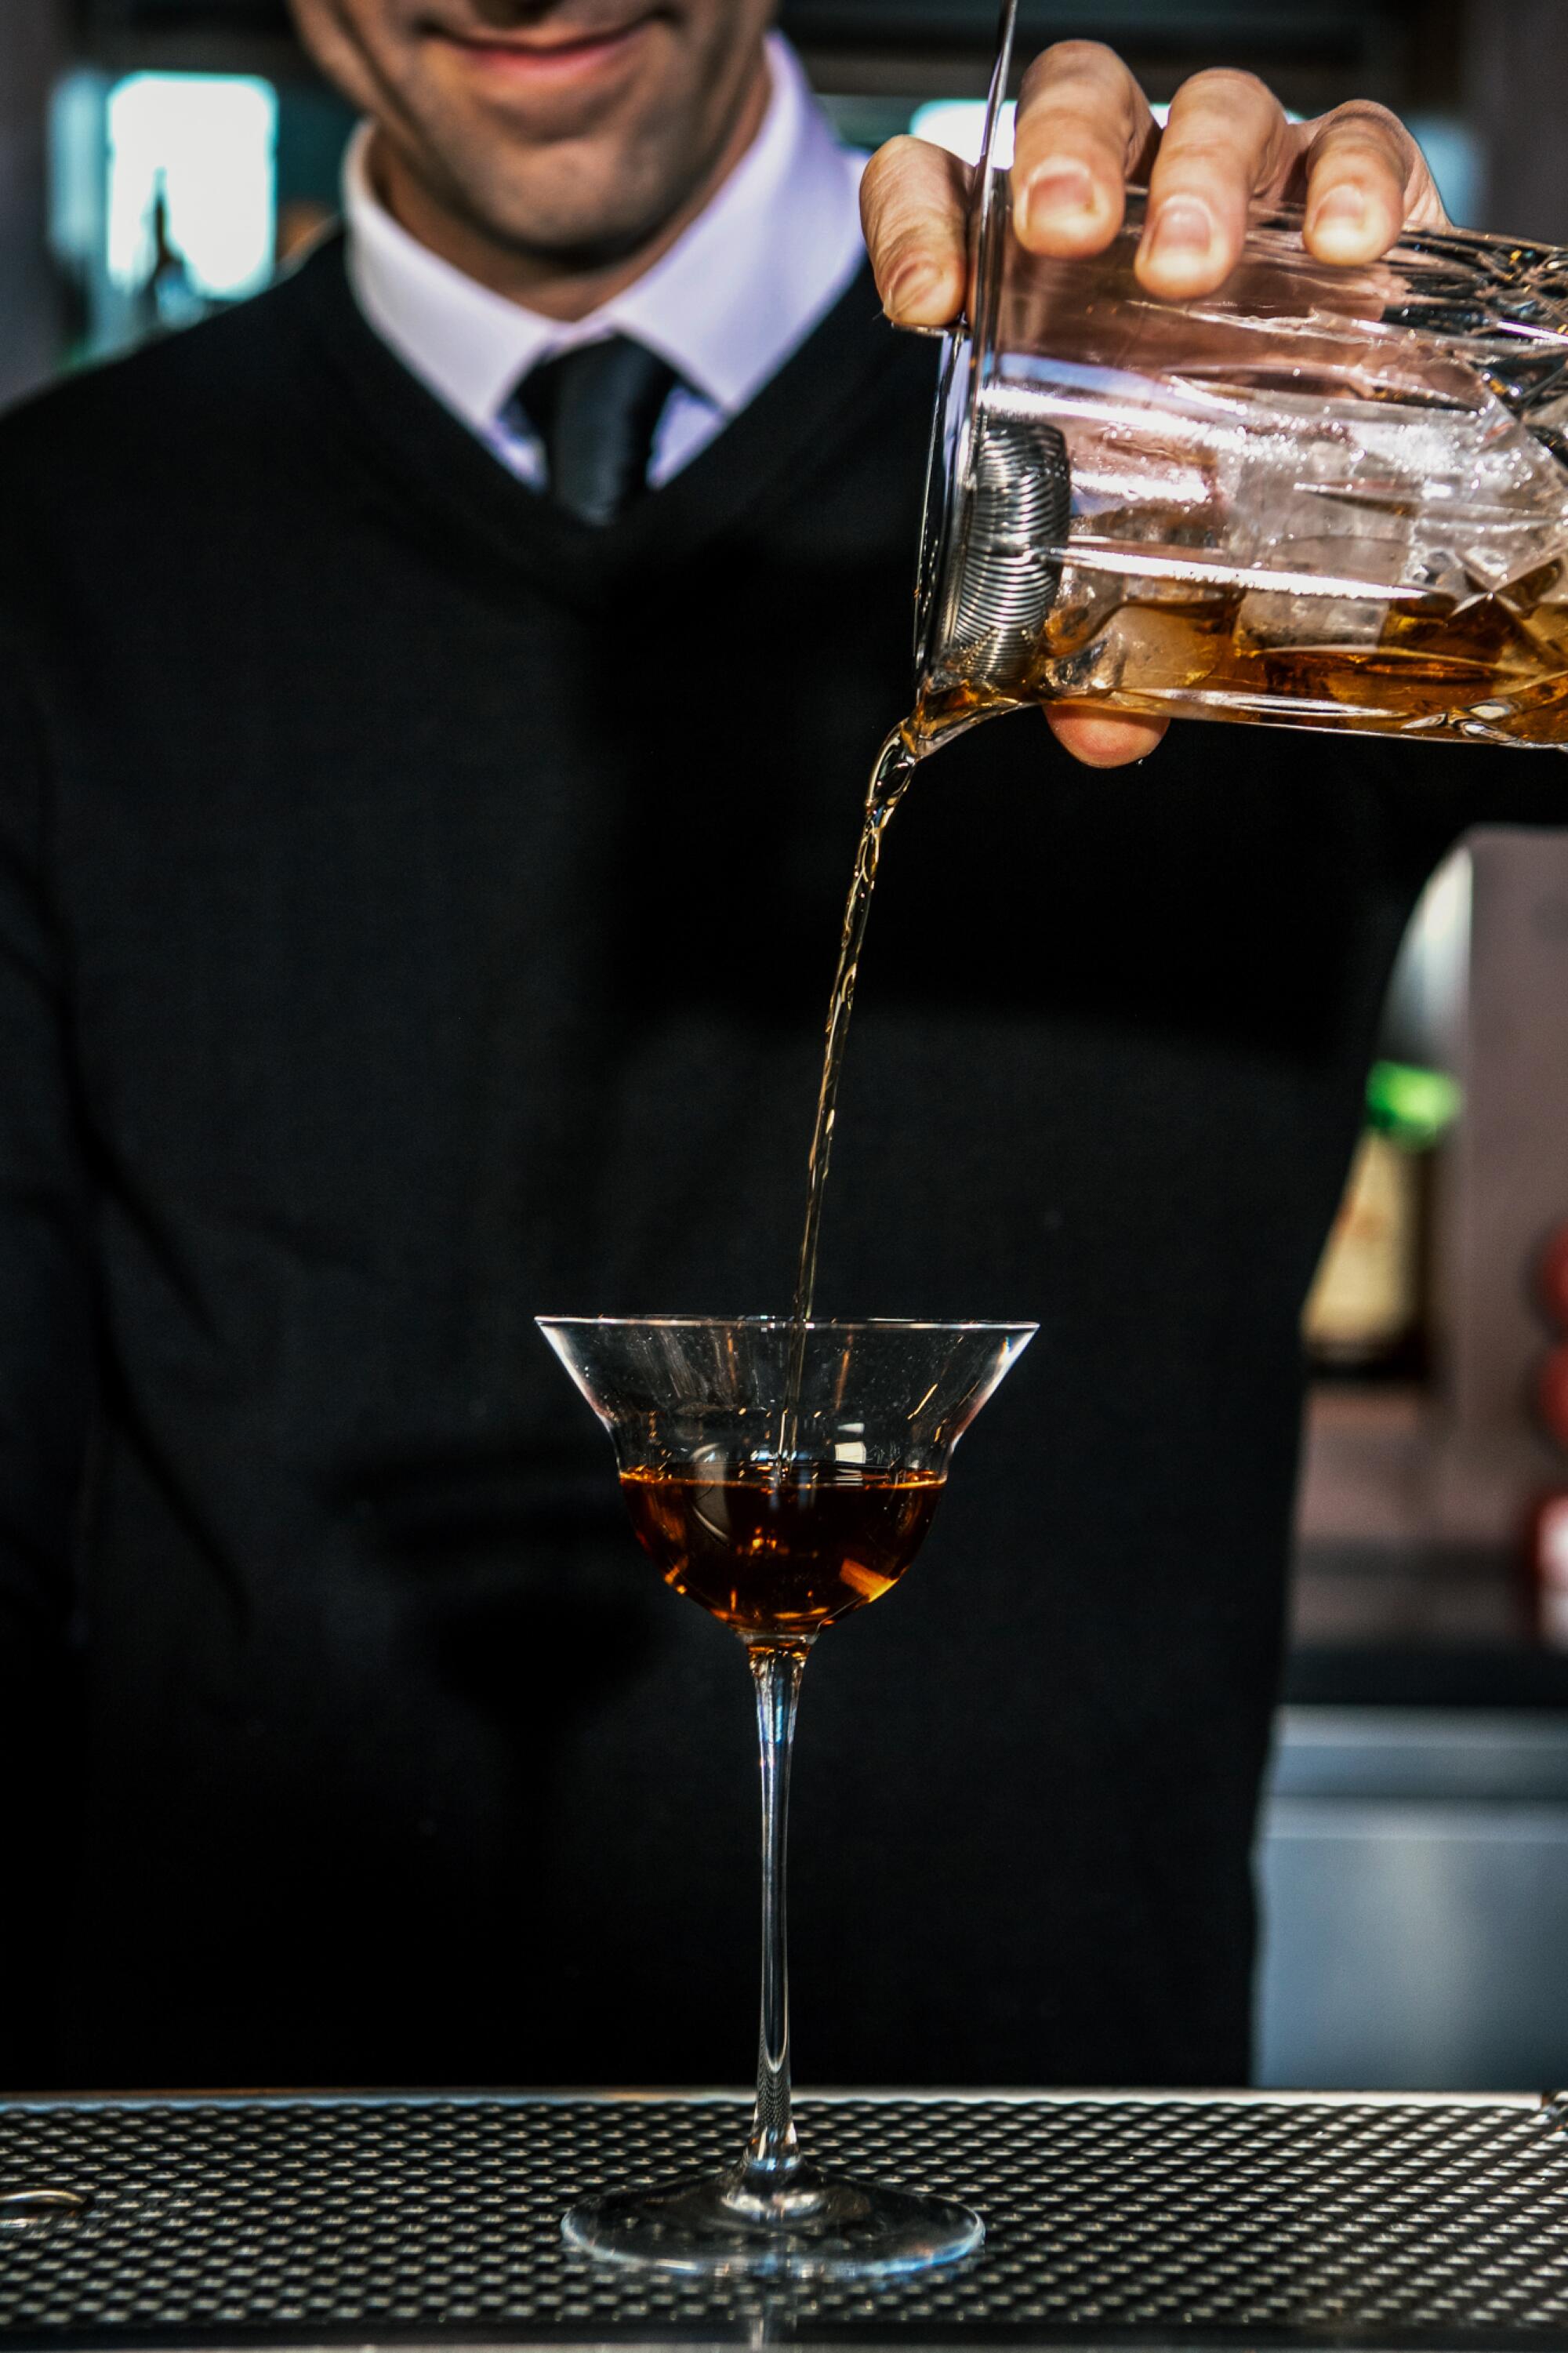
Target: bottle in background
[(1368, 1314)]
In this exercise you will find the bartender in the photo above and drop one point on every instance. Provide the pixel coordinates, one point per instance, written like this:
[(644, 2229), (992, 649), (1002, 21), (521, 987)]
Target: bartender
[(435, 704)]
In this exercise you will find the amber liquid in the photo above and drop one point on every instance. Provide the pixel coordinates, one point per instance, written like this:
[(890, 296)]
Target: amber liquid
[(1492, 670), (777, 1555), (911, 742), (895, 764)]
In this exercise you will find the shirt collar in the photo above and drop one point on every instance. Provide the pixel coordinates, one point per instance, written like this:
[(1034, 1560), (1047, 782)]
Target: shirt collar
[(736, 293)]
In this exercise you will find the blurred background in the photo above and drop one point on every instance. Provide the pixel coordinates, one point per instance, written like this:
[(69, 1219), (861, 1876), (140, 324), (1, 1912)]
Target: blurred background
[(162, 158)]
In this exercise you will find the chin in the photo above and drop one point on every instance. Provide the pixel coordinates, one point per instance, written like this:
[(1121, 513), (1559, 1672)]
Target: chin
[(584, 217)]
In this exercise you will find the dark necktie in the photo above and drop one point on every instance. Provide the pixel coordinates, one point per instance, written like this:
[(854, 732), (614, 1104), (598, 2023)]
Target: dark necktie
[(596, 409)]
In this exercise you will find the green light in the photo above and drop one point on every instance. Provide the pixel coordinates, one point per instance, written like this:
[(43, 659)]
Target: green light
[(1411, 1107)]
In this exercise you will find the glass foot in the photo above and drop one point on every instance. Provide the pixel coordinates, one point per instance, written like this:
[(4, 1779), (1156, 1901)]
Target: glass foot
[(820, 2227)]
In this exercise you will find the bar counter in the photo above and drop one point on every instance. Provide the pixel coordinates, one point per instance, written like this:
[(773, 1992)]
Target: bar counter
[(1262, 2219)]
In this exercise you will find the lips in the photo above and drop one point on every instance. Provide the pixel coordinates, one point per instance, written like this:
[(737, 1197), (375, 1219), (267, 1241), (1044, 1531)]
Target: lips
[(555, 47)]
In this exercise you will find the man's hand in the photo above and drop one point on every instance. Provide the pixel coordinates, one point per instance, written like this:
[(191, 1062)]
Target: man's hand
[(1085, 130)]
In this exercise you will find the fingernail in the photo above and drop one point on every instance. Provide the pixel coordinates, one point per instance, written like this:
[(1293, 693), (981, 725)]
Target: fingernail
[(1183, 231), (1343, 212), (1056, 197)]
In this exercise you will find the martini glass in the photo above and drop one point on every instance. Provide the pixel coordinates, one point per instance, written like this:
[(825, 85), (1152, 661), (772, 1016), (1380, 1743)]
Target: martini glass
[(781, 1476)]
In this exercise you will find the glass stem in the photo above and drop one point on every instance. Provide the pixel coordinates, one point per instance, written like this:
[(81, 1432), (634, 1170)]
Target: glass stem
[(771, 2153)]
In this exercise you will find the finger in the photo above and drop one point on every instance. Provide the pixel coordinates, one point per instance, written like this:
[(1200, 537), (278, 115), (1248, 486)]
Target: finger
[(1365, 178), (914, 203), (1083, 126), (1103, 739), (1227, 137)]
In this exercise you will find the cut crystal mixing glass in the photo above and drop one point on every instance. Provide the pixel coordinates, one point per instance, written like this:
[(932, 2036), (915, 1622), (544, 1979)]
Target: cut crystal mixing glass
[(781, 1476), (1320, 497)]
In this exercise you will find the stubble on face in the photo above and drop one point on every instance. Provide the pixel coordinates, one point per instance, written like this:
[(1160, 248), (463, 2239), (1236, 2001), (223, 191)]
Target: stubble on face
[(551, 152)]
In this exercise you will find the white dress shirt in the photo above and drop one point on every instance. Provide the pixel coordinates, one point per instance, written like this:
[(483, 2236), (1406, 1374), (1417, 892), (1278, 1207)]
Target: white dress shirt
[(738, 291)]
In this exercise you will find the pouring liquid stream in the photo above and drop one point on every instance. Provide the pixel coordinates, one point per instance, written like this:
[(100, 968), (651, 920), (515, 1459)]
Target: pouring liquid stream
[(908, 744), (894, 767)]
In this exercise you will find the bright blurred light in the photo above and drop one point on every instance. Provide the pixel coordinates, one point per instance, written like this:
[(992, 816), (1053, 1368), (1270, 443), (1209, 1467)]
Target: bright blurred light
[(210, 138), (958, 125)]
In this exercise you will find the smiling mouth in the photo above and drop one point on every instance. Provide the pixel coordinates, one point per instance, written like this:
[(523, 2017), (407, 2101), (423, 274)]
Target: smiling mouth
[(546, 54)]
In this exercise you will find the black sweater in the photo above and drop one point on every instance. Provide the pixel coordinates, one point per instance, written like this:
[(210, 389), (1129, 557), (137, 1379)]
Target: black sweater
[(416, 913)]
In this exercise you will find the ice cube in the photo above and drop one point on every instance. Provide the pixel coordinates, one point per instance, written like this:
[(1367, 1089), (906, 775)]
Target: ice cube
[(1139, 652), (1280, 616), (1085, 602)]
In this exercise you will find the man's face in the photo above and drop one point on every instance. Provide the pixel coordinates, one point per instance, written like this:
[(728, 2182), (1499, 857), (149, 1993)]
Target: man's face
[(575, 129)]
